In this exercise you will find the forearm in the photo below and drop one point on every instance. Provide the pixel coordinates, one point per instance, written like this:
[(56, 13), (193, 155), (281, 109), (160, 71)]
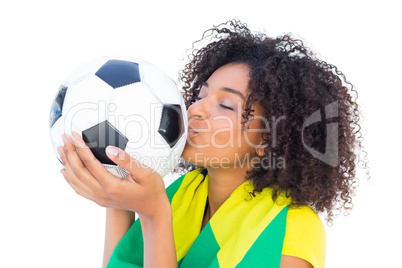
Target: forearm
[(117, 224), (159, 247)]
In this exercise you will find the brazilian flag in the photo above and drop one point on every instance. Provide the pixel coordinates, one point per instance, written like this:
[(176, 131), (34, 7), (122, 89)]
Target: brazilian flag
[(246, 231)]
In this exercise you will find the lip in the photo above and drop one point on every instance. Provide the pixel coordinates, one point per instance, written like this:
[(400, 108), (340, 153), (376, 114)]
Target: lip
[(191, 132)]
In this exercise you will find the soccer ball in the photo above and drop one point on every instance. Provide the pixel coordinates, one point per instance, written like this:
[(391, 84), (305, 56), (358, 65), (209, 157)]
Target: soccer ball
[(126, 102)]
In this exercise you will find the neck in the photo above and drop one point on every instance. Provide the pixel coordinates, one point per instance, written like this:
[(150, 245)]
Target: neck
[(222, 183)]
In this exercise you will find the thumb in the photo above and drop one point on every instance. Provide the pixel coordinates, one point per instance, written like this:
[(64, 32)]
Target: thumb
[(123, 159)]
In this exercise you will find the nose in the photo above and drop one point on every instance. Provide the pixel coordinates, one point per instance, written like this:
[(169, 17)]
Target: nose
[(198, 110)]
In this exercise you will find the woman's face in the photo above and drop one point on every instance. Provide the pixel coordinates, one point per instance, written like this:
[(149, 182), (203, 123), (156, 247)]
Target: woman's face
[(216, 137)]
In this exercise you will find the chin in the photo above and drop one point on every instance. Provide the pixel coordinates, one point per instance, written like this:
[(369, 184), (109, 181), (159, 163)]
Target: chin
[(186, 154)]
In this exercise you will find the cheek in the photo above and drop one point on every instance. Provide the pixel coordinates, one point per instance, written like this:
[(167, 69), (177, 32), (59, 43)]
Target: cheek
[(225, 139), (225, 133)]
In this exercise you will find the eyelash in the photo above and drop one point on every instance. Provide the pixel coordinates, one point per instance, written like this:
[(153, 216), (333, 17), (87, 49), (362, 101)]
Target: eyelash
[(223, 106)]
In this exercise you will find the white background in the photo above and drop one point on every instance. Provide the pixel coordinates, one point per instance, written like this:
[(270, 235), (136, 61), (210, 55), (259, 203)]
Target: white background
[(45, 224)]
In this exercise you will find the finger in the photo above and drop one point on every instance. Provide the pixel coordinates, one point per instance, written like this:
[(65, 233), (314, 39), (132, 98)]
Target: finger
[(137, 170), (93, 165), (77, 166), (78, 186), (71, 150), (99, 196)]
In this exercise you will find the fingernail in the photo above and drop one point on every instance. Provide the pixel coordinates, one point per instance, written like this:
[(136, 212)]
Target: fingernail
[(78, 141), (112, 151), (77, 137), (69, 139)]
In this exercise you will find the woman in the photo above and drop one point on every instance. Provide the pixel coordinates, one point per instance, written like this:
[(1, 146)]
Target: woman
[(263, 162)]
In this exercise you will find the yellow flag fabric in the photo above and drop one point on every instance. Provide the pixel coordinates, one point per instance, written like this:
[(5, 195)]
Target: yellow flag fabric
[(246, 231)]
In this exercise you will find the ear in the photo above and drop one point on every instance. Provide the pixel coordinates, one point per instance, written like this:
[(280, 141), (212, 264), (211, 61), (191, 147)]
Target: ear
[(260, 149)]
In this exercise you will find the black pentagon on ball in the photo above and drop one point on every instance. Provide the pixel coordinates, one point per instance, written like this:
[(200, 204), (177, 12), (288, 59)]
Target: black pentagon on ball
[(57, 105), (98, 137), (171, 126), (119, 73)]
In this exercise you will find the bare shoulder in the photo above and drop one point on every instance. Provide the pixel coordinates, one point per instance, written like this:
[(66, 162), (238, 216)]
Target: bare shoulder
[(292, 262)]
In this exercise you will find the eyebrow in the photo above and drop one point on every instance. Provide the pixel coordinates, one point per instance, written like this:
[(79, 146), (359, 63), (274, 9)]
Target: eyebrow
[(230, 90)]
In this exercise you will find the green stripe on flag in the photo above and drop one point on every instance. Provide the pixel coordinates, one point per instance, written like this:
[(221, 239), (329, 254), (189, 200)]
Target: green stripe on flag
[(172, 188), (203, 252), (267, 249)]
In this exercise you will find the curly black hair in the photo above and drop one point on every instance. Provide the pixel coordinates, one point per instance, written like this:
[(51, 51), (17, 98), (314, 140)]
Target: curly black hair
[(289, 81)]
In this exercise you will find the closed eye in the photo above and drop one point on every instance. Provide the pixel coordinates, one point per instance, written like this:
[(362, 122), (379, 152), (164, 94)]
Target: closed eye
[(222, 105), (226, 107)]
